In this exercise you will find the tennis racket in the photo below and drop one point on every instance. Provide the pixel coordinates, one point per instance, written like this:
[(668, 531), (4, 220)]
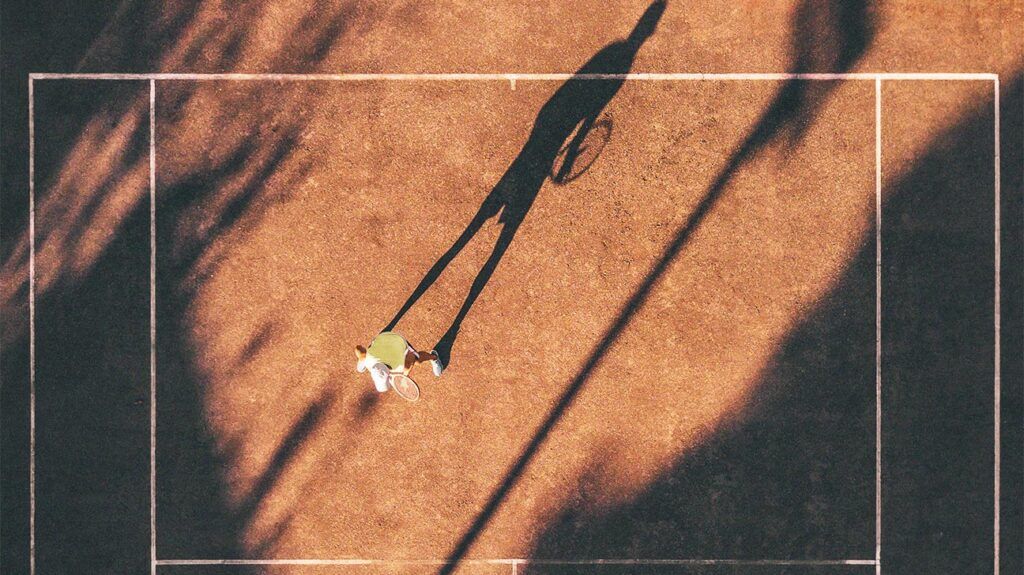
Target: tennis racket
[(405, 386)]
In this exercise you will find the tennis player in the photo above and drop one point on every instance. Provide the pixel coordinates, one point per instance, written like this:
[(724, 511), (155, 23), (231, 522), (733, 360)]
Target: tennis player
[(390, 352)]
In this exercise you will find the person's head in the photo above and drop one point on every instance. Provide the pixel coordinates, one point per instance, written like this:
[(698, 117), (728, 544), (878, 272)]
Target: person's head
[(647, 23), (360, 352)]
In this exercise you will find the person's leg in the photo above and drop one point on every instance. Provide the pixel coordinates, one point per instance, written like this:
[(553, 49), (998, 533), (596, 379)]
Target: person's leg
[(381, 385), (411, 359), (380, 376), (414, 358)]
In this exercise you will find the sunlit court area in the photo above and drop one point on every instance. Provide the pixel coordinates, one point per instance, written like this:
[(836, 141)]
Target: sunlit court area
[(609, 288)]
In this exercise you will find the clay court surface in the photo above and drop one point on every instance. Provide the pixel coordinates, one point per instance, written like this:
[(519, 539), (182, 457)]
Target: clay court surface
[(689, 358)]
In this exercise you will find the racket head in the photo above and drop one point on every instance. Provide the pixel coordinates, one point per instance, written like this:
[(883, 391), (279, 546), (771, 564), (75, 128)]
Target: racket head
[(581, 151), (404, 386)]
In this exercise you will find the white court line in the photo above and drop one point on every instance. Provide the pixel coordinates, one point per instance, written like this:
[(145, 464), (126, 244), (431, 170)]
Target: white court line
[(516, 562), (32, 327), (167, 562), (738, 562), (878, 326), (359, 77), (512, 78), (998, 346), (152, 326)]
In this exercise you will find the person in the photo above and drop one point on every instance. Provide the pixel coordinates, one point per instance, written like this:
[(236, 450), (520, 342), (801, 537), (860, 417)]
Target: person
[(390, 352)]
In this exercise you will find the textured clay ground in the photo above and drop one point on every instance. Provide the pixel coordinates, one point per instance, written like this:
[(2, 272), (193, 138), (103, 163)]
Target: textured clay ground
[(674, 358)]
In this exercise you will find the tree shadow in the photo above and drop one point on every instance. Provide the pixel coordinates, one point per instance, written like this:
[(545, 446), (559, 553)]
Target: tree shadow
[(821, 38), (92, 341), (92, 375), (196, 518), (792, 477), (561, 126)]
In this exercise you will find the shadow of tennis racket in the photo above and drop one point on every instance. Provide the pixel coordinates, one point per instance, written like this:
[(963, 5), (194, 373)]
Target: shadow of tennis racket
[(585, 145)]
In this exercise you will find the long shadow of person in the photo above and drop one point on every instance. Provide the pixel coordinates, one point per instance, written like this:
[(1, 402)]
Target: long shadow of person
[(574, 108)]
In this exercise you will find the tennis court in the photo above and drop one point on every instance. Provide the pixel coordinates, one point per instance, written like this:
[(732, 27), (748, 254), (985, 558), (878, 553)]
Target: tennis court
[(757, 333)]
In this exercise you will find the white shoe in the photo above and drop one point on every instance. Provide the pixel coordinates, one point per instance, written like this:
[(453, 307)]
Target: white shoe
[(435, 365)]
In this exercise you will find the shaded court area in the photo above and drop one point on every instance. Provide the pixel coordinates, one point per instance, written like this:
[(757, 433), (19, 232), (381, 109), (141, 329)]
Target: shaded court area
[(91, 450)]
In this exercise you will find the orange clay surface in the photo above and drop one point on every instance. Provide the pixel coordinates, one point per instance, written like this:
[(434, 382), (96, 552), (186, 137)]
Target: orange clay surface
[(342, 195)]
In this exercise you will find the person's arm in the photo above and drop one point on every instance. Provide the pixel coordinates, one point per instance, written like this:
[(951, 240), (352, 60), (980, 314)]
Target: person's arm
[(360, 358)]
